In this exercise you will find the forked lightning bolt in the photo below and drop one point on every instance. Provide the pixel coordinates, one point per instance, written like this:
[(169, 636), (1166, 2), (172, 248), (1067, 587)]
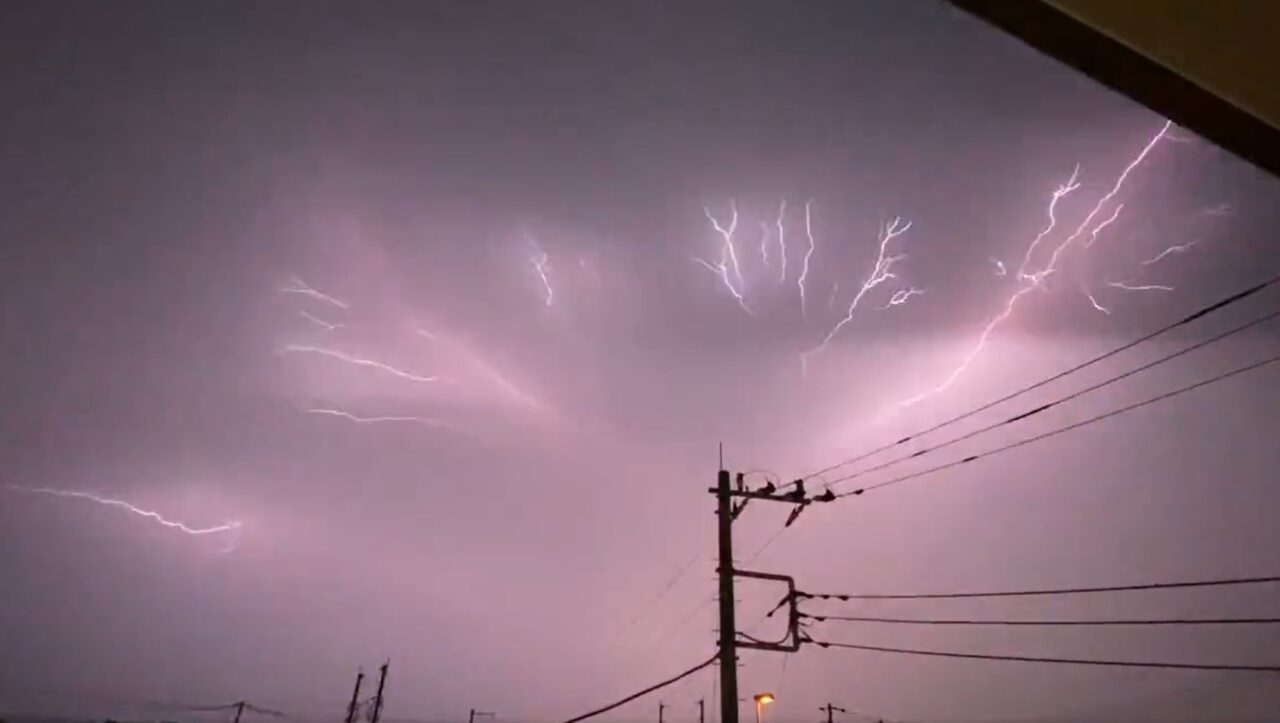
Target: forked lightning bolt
[(358, 361), (1058, 194), (155, 516), (298, 286), (808, 254), (730, 250), (1032, 281), (881, 272)]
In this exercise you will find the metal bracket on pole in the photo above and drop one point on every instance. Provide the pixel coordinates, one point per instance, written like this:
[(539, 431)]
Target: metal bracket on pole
[(790, 643)]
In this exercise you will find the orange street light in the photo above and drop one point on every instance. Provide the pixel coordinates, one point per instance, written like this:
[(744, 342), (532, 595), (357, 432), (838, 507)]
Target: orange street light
[(762, 699)]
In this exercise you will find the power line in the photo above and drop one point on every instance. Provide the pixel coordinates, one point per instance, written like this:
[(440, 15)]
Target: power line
[(647, 691), (1064, 661), (1074, 395), (1211, 308), (1044, 623), (1060, 430), (1054, 591)]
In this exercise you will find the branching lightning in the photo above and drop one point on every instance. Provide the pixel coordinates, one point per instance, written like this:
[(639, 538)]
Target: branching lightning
[(730, 251), (156, 516), (358, 361), (881, 272), (1031, 281), (327, 326), (808, 254), (374, 420), (728, 257), (1179, 249), (298, 286), (1066, 188)]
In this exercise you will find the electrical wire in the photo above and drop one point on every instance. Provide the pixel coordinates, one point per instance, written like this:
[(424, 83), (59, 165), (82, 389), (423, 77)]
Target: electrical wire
[(1074, 395), (1204, 311), (1220, 582), (647, 691), (1060, 430), (1063, 661), (1044, 623)]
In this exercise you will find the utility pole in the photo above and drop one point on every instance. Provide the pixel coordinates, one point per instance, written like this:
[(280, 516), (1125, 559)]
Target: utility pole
[(377, 702), (830, 709), (726, 512), (728, 627), (355, 696), (661, 708), (702, 710), (479, 713)]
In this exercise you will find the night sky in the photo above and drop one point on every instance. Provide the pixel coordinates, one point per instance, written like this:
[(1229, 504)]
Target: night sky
[(406, 296)]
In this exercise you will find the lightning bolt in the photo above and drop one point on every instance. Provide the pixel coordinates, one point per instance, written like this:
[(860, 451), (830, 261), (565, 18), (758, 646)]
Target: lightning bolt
[(156, 516), (1034, 281), (730, 251), (764, 243), (804, 269), (358, 361), (541, 263), (1093, 235), (901, 296), (782, 240), (721, 270), (1180, 249), (1058, 194), (374, 420), (327, 326), (298, 286), (831, 298), (1095, 303), (1146, 287), (880, 273)]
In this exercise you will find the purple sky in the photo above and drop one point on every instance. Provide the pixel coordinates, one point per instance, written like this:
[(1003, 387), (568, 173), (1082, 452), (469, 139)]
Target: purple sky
[(170, 173)]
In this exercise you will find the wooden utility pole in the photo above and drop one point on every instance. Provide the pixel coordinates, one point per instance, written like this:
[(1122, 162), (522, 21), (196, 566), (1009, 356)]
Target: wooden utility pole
[(830, 709), (355, 697), (728, 627), (377, 701)]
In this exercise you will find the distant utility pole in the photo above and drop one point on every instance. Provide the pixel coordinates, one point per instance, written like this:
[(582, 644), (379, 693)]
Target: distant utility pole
[(479, 714), (726, 512), (662, 707), (702, 710), (830, 709), (377, 701), (355, 696)]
